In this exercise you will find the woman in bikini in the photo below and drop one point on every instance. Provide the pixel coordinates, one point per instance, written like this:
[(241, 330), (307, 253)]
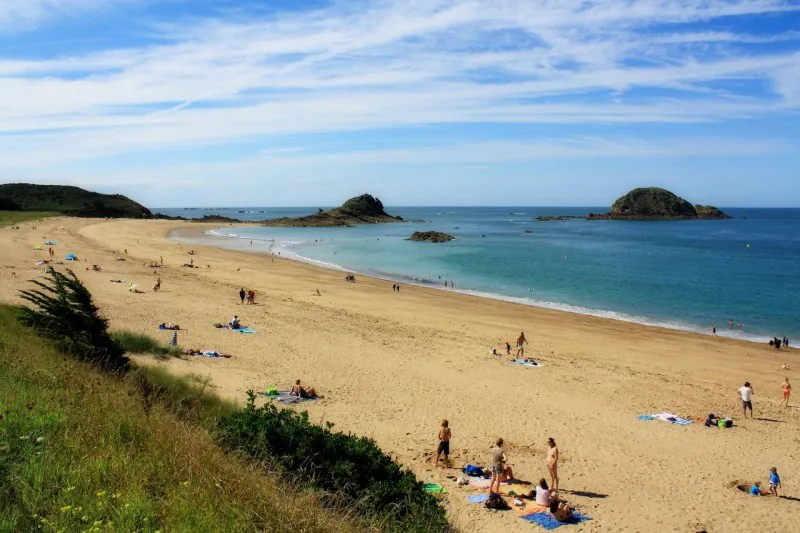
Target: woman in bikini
[(552, 463), (302, 392)]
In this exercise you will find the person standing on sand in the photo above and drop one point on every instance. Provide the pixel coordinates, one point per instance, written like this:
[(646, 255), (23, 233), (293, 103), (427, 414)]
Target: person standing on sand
[(508, 348), (552, 464), (500, 472), (521, 342), (713, 330), (444, 444), (746, 392), (787, 391), (242, 295), (157, 286)]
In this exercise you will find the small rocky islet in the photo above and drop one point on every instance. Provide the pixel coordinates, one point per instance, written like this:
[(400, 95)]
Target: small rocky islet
[(364, 209), (430, 236), (650, 203)]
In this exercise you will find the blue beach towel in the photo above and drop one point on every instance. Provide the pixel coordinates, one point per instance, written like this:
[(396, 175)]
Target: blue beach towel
[(547, 521), (478, 498), (645, 417), (244, 330)]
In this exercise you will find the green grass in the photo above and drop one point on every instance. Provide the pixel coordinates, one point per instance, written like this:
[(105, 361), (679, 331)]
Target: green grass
[(139, 343), (83, 451), (9, 218)]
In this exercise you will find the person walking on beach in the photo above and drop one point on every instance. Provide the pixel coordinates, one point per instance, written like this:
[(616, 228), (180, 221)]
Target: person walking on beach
[(508, 348), (521, 342), (746, 392), (787, 391), (444, 444), (157, 286), (552, 463), (713, 330), (242, 295)]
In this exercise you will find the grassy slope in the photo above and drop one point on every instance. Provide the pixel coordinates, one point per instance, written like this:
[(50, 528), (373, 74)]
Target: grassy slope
[(78, 452), (7, 218)]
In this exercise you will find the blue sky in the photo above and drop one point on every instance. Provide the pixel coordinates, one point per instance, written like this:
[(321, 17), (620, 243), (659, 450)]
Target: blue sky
[(421, 102)]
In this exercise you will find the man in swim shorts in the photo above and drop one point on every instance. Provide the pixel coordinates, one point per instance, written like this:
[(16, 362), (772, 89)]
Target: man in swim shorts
[(746, 392), (444, 443), (521, 342)]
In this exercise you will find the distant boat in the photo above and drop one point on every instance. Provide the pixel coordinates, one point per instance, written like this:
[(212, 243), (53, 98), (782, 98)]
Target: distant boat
[(456, 227)]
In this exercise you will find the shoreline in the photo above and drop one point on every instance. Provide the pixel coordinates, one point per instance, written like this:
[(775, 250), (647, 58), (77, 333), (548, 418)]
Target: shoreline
[(393, 366), (207, 236)]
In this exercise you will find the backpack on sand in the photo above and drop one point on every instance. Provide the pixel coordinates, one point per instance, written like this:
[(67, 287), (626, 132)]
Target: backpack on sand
[(496, 502)]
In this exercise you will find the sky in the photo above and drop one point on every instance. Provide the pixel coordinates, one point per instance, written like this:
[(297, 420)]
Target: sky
[(420, 102)]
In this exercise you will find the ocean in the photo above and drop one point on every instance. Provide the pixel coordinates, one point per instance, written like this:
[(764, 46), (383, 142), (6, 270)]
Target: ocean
[(686, 275)]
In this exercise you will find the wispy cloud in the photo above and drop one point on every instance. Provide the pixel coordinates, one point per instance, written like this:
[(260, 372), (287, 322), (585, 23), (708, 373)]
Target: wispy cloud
[(392, 64)]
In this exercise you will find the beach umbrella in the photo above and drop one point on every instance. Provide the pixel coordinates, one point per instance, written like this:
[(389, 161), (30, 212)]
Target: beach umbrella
[(71, 257)]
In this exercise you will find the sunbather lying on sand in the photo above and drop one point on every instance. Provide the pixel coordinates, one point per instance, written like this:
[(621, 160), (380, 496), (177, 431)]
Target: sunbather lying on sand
[(303, 392), (205, 353)]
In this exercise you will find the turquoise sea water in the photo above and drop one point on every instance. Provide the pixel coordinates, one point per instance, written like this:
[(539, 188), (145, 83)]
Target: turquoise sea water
[(680, 274)]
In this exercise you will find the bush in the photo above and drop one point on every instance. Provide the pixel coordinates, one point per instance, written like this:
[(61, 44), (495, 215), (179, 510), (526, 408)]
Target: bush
[(64, 312), (133, 342), (354, 468)]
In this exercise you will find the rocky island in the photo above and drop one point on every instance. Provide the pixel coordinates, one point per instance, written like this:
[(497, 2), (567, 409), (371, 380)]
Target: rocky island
[(430, 236), (653, 203), (364, 209)]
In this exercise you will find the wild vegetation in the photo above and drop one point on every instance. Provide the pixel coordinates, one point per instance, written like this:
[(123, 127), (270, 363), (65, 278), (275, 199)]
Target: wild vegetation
[(90, 442), (9, 218), (68, 200)]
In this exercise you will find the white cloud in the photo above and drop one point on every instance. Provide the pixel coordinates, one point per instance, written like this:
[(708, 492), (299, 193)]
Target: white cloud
[(388, 64), (20, 15)]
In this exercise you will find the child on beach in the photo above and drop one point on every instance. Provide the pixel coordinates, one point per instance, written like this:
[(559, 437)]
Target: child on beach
[(444, 443), (774, 481)]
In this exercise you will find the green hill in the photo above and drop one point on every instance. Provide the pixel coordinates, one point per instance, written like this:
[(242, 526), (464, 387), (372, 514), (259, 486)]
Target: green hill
[(68, 200)]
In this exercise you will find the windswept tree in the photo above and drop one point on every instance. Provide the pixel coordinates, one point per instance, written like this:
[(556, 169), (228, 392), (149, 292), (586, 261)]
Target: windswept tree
[(62, 310)]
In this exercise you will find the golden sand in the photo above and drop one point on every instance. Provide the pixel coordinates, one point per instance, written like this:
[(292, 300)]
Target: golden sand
[(392, 366)]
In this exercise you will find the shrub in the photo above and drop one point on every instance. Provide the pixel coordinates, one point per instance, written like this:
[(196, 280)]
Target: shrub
[(354, 468), (64, 312)]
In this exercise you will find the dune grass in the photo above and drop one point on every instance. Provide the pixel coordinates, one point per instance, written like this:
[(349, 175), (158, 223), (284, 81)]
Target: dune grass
[(83, 451), (140, 343), (8, 218)]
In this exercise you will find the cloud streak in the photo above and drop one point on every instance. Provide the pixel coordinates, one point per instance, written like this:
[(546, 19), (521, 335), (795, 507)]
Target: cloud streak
[(370, 66)]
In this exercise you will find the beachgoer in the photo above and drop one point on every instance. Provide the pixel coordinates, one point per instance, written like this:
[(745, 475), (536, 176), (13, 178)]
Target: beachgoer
[(303, 392), (157, 286), (774, 481), (552, 463), (730, 323), (508, 348), (500, 472), (242, 295), (560, 510), (787, 391), (755, 490), (542, 493), (785, 366), (713, 330), (746, 392), (235, 324), (521, 342), (786, 342), (778, 343), (444, 443)]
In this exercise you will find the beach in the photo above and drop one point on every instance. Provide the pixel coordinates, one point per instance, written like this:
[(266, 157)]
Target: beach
[(392, 365)]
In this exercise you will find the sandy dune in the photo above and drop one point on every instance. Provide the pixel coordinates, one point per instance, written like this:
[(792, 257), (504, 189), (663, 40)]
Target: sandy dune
[(391, 366)]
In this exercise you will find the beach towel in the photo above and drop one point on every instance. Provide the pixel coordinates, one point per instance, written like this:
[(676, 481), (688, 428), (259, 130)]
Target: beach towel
[(244, 330), (211, 353), (547, 521), (478, 498), (645, 417), (479, 482), (283, 396), (529, 508), (529, 364), (672, 419), (163, 327), (51, 243), (435, 488)]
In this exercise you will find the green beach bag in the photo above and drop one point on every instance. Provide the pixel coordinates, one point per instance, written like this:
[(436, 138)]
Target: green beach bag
[(272, 391)]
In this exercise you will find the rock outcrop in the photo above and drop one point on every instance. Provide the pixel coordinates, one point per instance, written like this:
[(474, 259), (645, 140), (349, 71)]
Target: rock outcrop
[(430, 236), (364, 209), (653, 203)]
